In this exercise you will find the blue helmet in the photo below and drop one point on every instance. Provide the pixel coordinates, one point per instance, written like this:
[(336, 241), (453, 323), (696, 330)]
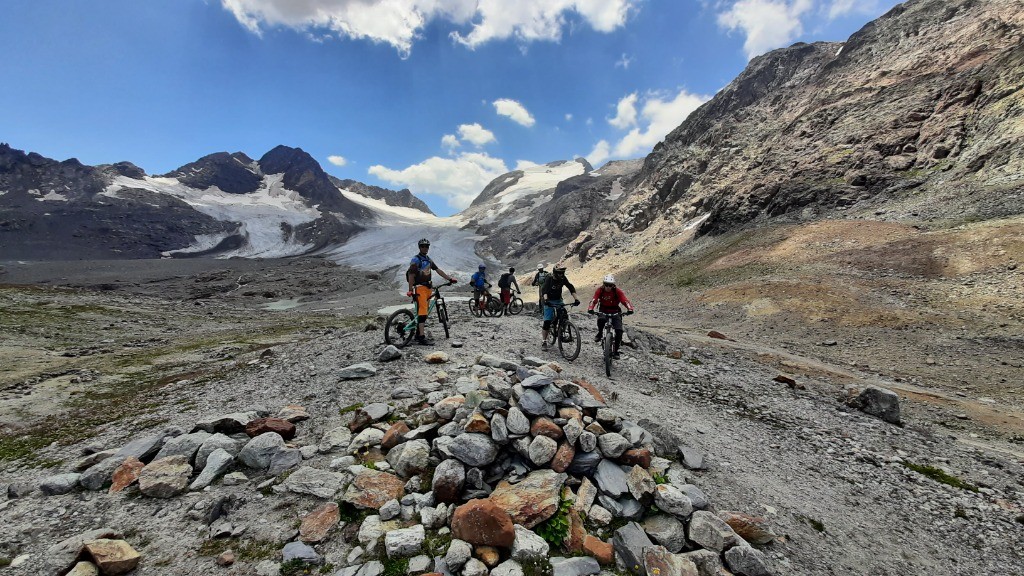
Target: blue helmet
[(483, 267)]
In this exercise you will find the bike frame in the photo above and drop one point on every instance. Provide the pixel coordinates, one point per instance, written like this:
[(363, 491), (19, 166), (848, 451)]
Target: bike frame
[(431, 305)]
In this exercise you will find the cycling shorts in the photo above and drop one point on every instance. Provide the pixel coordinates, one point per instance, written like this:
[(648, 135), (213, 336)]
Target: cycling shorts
[(549, 310), (506, 295), (423, 294)]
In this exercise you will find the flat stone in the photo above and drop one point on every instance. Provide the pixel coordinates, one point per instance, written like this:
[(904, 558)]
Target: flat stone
[(366, 439), (708, 563), (517, 422), (532, 500), (542, 450), (293, 413), (536, 381), (532, 403), (113, 557), (690, 457), (449, 478), (474, 449), (60, 484), (667, 531), (317, 524), (165, 478), (357, 371), (578, 566), (658, 560), (746, 561), (459, 552), (62, 556), (227, 424), (93, 459), (335, 438), (372, 489), (234, 479), (496, 362), (84, 569), (611, 479), (420, 565), (630, 541), (284, 460), (263, 425), (404, 543), (216, 464), (711, 532), (315, 482), (528, 545), (186, 445), (483, 522), (585, 463), (259, 451), (697, 497), (445, 409), (216, 442), (410, 458), (507, 568), (300, 551)]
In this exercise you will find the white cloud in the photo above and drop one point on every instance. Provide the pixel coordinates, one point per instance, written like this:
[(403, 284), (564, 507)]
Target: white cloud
[(767, 24), (657, 117), (337, 160), (399, 23), (458, 180), (524, 164), (625, 112), (531, 20), (568, 117), (514, 110), (476, 134), (624, 62), (600, 153), (840, 8), (450, 142)]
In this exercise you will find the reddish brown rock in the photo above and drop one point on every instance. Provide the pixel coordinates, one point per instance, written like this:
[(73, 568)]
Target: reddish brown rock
[(226, 558), (373, 488), (676, 354), (533, 500), (478, 423), (719, 336), (785, 379), (590, 388), (113, 556), (595, 429), (753, 529), (546, 427), (318, 523), (599, 549), (577, 533), (563, 458), (394, 435), (126, 474), (483, 522), (637, 457), (489, 555), (263, 425)]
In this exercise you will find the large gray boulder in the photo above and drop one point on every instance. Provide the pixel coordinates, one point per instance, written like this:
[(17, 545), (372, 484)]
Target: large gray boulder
[(629, 542), (474, 449), (879, 402), (186, 445), (746, 561), (259, 451), (216, 464), (216, 442)]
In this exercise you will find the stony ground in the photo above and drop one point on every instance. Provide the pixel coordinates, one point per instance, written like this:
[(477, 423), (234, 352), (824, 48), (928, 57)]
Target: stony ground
[(847, 493)]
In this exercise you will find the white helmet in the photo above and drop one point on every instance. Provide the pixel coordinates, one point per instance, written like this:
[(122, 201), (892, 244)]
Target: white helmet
[(609, 279), (540, 266)]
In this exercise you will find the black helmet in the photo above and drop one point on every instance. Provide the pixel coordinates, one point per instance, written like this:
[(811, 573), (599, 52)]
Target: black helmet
[(424, 242), (511, 270), (559, 270)]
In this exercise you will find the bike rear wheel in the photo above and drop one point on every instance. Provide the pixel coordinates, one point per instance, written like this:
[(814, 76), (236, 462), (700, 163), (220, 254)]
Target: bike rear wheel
[(400, 328), (494, 307), (442, 317), (515, 306), (607, 341), (569, 341), (474, 307)]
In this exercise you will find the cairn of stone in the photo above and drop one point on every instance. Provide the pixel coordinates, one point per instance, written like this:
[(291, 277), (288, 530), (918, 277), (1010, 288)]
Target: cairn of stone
[(513, 469)]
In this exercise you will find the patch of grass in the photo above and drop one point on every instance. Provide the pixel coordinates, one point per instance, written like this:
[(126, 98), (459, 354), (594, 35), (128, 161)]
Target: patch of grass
[(436, 544), (395, 566), (941, 476), (536, 567), (660, 479), (296, 567), (247, 550), (4, 562), (350, 408), (555, 530)]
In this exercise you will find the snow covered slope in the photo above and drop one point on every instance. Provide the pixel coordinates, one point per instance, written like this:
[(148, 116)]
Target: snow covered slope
[(511, 198)]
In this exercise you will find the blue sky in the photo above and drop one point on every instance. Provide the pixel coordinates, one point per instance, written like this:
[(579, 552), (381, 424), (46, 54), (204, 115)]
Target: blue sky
[(439, 96)]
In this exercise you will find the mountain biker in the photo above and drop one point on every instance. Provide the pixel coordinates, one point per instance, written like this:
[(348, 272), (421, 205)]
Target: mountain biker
[(421, 285), (551, 296), (538, 281), (480, 285), (610, 297), (505, 283)]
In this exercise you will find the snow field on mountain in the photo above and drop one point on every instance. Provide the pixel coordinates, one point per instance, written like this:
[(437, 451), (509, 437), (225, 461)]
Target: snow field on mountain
[(538, 182)]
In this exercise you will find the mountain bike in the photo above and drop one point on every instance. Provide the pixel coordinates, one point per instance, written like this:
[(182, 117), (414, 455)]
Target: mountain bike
[(564, 332), (608, 340), (515, 304), (401, 325), (492, 307)]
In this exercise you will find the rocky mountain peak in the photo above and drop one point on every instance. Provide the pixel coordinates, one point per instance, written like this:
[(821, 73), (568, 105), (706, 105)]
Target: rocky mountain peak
[(402, 198), (233, 173)]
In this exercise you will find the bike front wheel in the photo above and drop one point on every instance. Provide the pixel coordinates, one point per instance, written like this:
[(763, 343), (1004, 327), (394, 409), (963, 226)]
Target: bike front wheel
[(607, 340), (400, 328), (494, 307), (515, 306), (569, 341)]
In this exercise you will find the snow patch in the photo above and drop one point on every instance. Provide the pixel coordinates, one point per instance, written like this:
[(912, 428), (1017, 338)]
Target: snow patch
[(52, 197), (536, 187)]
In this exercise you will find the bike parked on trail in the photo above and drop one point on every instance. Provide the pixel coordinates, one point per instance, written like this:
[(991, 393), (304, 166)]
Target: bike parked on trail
[(515, 305), (401, 325), (481, 304), (564, 332), (608, 341)]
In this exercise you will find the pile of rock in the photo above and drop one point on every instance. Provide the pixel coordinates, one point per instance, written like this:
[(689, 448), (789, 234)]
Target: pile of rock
[(490, 476)]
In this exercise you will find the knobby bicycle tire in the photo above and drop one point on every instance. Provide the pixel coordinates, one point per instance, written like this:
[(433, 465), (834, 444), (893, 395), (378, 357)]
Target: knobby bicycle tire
[(607, 345), (494, 307), (442, 317), (515, 306), (553, 334), (400, 328), (569, 341)]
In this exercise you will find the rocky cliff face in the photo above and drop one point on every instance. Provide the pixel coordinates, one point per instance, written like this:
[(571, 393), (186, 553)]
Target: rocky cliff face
[(401, 198), (233, 173), (923, 103)]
